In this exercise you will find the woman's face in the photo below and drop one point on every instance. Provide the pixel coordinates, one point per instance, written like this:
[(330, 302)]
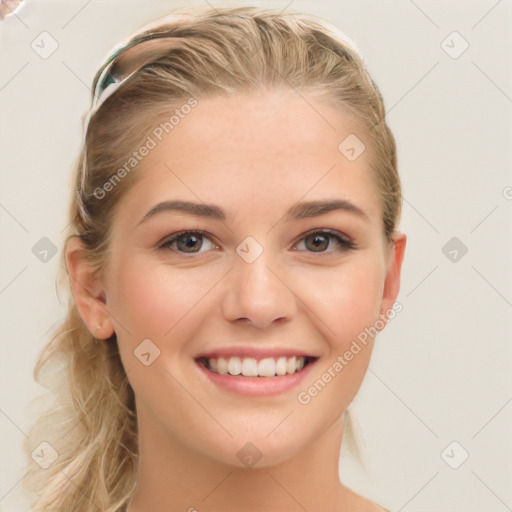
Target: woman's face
[(256, 281)]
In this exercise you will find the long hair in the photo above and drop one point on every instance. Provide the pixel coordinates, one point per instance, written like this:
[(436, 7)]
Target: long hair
[(91, 426)]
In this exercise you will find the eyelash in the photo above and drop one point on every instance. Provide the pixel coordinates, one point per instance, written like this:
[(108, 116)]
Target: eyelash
[(344, 244)]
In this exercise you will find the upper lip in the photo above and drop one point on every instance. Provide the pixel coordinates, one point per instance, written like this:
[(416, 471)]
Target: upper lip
[(255, 352)]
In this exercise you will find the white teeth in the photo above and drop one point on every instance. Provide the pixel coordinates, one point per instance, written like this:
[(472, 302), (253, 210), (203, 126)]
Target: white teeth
[(281, 366), (249, 367), (267, 367), (291, 365), (234, 366), (221, 363)]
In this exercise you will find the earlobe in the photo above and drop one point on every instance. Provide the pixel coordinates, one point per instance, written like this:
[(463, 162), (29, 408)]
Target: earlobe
[(88, 291)]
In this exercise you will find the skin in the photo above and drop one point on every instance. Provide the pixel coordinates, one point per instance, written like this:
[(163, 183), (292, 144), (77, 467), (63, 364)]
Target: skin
[(254, 155)]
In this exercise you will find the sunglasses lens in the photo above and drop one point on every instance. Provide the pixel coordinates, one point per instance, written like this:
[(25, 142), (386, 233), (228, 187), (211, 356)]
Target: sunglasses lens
[(127, 61)]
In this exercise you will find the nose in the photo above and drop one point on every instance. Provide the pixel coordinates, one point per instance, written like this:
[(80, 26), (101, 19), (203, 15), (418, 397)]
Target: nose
[(258, 292)]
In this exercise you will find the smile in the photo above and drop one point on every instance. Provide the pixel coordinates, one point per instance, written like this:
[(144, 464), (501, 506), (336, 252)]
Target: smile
[(249, 376), (250, 367)]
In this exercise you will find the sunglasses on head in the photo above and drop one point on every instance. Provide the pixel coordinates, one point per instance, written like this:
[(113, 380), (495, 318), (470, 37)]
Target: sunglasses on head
[(124, 63)]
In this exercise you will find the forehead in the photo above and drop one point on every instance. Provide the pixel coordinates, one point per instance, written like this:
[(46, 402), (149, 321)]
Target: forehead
[(267, 148)]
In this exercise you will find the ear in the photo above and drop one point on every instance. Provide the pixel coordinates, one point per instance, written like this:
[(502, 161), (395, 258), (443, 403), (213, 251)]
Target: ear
[(88, 291), (393, 272)]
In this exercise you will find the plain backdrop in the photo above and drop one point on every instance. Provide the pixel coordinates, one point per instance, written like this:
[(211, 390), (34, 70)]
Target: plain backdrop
[(439, 386)]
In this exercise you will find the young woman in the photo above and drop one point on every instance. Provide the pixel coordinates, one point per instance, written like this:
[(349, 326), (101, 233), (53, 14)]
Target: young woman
[(232, 253)]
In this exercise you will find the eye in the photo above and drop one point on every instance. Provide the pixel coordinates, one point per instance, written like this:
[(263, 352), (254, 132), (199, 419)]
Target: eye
[(186, 240), (319, 241)]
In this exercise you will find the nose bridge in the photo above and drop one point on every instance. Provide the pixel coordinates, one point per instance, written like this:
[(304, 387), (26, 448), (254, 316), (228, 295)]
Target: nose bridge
[(257, 292)]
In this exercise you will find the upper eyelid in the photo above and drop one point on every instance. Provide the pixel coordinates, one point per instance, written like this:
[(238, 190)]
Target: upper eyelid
[(329, 231), (173, 236)]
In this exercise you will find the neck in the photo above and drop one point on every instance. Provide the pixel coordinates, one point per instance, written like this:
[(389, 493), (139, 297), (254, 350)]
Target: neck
[(172, 475)]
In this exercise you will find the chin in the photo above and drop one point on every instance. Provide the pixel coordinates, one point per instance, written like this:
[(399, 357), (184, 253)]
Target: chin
[(256, 451)]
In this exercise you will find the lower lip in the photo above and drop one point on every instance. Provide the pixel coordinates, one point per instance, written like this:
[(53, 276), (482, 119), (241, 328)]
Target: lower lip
[(257, 386)]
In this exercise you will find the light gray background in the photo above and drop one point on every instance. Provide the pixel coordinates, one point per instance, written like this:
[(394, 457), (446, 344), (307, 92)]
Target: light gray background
[(441, 369)]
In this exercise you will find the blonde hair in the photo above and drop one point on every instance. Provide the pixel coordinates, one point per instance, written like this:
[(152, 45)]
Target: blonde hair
[(92, 423)]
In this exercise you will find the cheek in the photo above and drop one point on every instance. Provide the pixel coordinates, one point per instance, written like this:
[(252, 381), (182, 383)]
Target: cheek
[(151, 298), (346, 307), (351, 309), (346, 301)]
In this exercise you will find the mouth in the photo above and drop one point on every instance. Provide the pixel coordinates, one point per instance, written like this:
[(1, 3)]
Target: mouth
[(256, 368)]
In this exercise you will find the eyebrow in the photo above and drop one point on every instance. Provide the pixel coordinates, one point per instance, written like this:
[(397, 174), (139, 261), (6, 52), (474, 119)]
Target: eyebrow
[(298, 211)]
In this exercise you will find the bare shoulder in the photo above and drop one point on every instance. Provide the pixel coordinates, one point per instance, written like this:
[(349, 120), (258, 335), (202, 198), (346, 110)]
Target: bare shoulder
[(358, 503)]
